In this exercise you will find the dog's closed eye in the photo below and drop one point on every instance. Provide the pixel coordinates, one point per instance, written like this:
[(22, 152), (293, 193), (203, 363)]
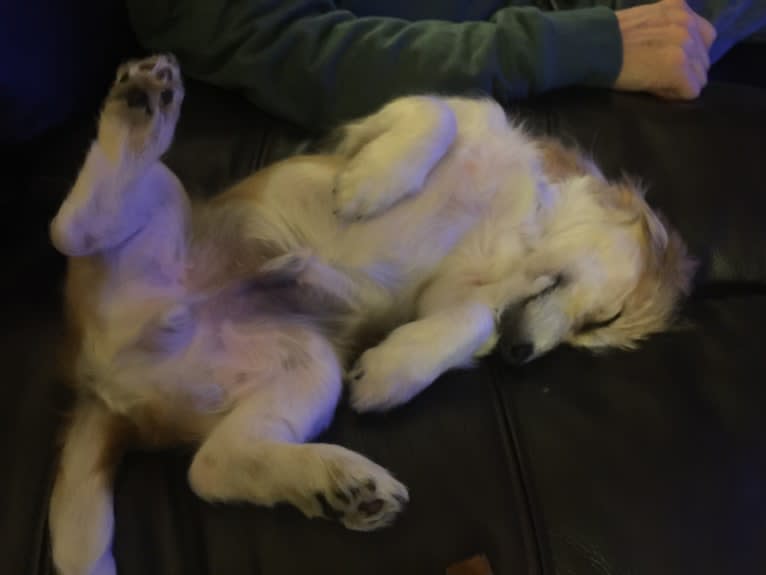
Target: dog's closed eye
[(558, 281), (593, 325)]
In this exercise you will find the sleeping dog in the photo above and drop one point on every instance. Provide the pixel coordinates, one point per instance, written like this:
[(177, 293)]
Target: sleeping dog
[(436, 232)]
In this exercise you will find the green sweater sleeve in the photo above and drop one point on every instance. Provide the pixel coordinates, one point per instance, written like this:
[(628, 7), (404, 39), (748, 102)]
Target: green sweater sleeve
[(315, 65)]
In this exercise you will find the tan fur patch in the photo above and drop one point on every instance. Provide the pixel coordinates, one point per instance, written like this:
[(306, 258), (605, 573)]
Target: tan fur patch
[(667, 269), (560, 162)]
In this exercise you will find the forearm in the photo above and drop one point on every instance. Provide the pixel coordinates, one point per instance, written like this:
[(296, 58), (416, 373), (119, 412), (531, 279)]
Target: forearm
[(317, 66)]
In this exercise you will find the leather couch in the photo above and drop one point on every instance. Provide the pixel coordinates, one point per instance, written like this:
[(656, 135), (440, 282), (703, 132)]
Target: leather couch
[(650, 462)]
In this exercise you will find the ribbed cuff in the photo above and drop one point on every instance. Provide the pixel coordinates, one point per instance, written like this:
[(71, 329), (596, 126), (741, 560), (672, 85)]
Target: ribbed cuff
[(585, 49)]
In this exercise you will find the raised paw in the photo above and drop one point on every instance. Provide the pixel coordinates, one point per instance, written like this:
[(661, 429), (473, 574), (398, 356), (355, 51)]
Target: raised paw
[(360, 494), (143, 106), (364, 190)]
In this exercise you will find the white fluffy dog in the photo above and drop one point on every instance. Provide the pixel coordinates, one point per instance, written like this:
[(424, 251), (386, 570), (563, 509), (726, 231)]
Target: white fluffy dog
[(437, 230)]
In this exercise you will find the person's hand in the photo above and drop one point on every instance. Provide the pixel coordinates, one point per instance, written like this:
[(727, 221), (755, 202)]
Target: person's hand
[(666, 50)]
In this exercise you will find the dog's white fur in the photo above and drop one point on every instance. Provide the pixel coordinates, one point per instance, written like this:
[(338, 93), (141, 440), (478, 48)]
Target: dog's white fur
[(230, 323)]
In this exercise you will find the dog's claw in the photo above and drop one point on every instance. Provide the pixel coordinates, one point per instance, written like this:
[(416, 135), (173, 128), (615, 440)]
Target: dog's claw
[(356, 374)]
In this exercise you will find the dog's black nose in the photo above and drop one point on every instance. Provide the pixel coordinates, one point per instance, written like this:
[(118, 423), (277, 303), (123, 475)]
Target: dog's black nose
[(518, 353)]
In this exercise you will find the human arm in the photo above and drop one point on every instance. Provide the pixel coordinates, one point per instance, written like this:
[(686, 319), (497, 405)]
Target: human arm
[(316, 65)]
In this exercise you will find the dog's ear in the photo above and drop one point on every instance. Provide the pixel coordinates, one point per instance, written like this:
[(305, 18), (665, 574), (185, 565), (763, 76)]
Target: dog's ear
[(634, 184), (560, 162), (666, 251), (675, 265), (655, 228), (668, 256), (633, 197), (624, 202)]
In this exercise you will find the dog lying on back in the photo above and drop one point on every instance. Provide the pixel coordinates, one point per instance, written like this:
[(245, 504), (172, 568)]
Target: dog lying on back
[(437, 232)]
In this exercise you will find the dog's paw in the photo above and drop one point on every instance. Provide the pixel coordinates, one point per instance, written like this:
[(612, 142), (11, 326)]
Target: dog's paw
[(365, 189), (143, 105), (381, 380), (360, 494)]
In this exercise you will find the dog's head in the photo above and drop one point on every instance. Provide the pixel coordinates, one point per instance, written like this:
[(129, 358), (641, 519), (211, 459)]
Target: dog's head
[(616, 272)]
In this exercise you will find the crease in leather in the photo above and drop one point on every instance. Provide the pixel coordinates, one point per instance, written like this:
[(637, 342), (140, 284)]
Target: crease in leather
[(534, 540)]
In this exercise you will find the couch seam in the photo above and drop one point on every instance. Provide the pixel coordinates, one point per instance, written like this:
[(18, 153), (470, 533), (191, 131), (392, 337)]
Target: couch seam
[(533, 541)]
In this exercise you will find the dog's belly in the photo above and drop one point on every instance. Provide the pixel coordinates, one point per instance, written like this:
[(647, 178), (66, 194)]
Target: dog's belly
[(166, 398), (472, 220), (179, 392)]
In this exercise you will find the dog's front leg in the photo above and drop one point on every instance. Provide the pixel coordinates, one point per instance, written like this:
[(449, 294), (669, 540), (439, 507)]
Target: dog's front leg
[(391, 153), (81, 517), (415, 354)]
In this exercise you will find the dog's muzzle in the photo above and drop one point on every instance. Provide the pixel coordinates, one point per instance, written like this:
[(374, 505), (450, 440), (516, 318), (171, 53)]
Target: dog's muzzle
[(514, 346)]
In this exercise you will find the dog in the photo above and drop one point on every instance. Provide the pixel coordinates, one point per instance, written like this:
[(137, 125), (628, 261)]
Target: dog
[(437, 231)]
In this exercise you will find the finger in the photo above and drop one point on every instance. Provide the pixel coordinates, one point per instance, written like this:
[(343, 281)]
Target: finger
[(689, 19), (699, 74), (688, 36), (707, 31), (696, 78), (690, 42), (702, 51), (688, 85)]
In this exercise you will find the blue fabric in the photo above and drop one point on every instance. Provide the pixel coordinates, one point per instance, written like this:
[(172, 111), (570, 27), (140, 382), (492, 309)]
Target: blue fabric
[(56, 59), (33, 60), (734, 21)]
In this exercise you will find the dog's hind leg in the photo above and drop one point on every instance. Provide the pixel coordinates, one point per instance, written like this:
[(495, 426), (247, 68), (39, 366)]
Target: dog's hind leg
[(391, 153), (256, 453), (81, 515), (416, 353), (122, 182)]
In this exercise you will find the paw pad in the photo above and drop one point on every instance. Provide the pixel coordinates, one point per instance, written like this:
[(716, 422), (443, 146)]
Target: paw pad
[(135, 97), (363, 504)]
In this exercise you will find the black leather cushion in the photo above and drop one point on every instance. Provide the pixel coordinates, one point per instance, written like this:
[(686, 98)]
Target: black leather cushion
[(32, 397), (221, 138), (654, 461), (450, 447), (700, 162)]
